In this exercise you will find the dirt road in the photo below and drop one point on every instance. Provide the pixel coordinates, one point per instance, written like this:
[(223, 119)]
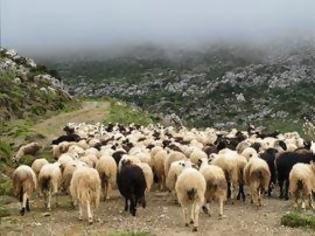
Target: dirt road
[(161, 217), (91, 112)]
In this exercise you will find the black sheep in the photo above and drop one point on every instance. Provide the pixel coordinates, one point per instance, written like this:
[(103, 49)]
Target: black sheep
[(284, 164), (118, 155), (68, 138), (131, 184), (269, 156)]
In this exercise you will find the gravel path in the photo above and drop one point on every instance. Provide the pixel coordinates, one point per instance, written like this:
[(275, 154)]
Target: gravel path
[(161, 217)]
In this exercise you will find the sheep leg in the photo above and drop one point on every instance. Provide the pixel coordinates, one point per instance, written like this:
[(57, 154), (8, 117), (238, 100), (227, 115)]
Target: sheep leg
[(28, 205), (287, 183), (126, 204), (259, 197), (132, 208), (303, 202), (270, 187), (232, 193), (56, 199), (109, 190), (281, 188), (296, 199), (105, 191), (24, 199), (221, 209), (196, 216), (80, 211), (310, 201), (48, 201), (241, 192), (228, 190), (192, 213), (206, 208), (184, 211), (89, 213)]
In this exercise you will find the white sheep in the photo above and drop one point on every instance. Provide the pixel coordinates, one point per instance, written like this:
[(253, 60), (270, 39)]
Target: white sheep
[(90, 159), (107, 169), (197, 155), (190, 190), (67, 170), (175, 170), (24, 184), (28, 149), (148, 174), (173, 156), (228, 161), (38, 164), (66, 157), (49, 180), (249, 152), (158, 161), (302, 183), (257, 176), (216, 185), (85, 189)]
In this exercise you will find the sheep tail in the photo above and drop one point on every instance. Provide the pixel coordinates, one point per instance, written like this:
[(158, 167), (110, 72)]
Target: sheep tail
[(191, 194), (264, 178), (44, 184), (300, 184), (104, 180)]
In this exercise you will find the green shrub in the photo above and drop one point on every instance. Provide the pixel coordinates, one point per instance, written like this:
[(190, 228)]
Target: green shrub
[(4, 212), (6, 187), (124, 114), (295, 219)]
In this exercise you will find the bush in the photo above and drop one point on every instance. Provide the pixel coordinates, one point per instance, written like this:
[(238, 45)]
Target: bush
[(6, 187), (295, 219), (122, 113)]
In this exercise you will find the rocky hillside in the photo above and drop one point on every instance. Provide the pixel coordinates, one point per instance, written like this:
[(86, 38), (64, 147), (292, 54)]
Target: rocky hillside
[(220, 86), (28, 89)]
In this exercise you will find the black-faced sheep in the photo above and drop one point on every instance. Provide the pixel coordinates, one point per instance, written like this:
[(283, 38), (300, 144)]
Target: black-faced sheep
[(190, 190), (85, 188), (132, 185), (270, 156), (68, 138), (24, 184)]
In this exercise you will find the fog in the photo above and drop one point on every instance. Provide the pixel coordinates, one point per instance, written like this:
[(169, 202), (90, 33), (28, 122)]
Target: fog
[(47, 27)]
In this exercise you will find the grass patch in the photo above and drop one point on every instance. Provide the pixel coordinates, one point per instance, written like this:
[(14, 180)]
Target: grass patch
[(4, 212), (6, 187), (129, 233), (296, 219), (123, 113)]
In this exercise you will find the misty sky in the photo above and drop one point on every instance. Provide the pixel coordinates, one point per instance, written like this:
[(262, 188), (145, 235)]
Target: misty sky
[(46, 25)]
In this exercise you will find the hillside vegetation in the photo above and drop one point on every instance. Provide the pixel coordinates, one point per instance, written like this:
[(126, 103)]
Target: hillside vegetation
[(221, 86), (29, 90)]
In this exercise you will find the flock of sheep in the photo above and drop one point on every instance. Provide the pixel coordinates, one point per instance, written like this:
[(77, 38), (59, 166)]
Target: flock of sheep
[(195, 166)]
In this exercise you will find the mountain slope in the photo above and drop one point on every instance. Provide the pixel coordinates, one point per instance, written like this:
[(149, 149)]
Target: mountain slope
[(220, 86), (27, 89)]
